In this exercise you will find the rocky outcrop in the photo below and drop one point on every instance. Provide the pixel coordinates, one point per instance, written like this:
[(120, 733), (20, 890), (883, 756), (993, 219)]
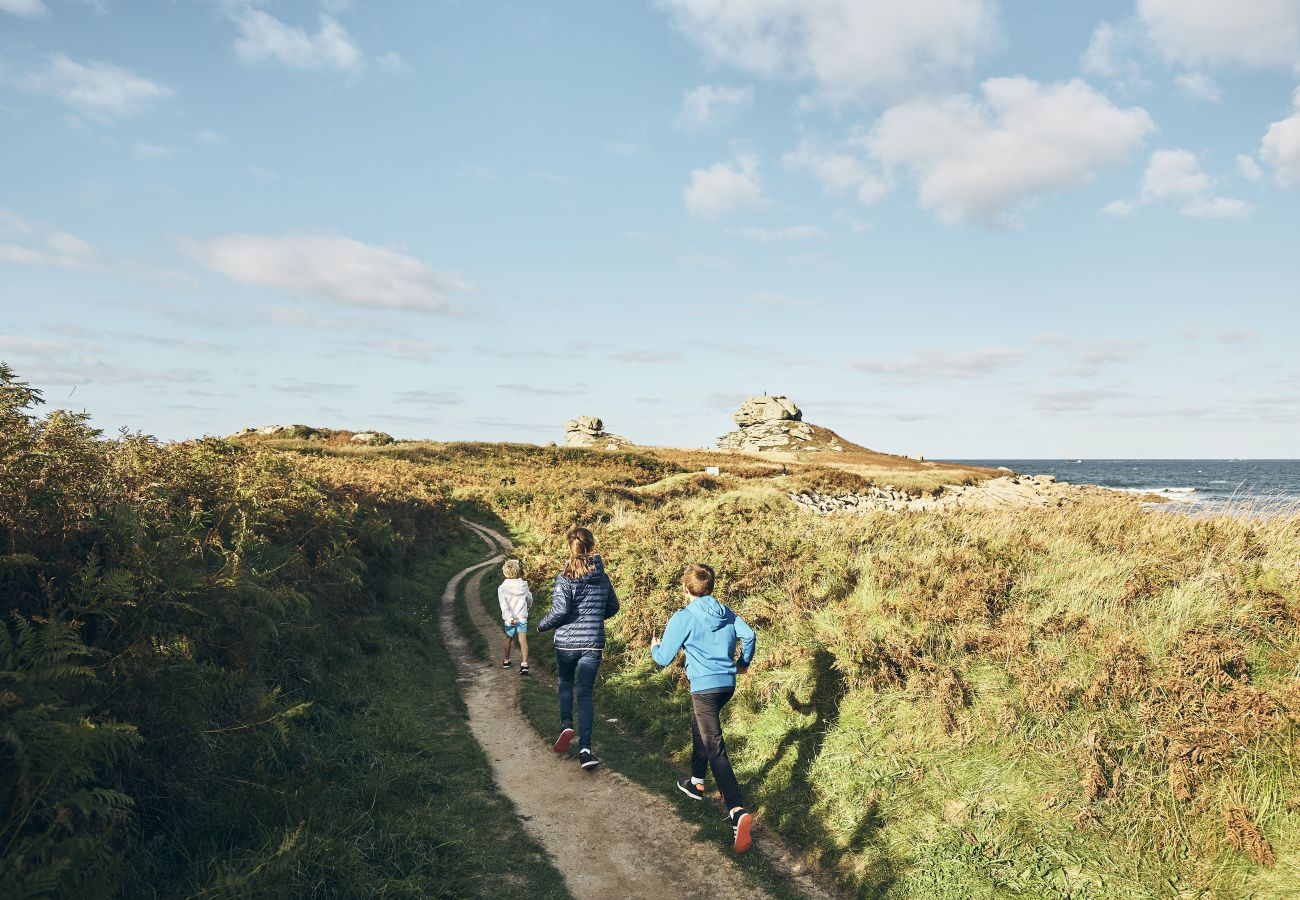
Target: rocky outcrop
[(589, 431), (775, 423), (371, 438), (1007, 490)]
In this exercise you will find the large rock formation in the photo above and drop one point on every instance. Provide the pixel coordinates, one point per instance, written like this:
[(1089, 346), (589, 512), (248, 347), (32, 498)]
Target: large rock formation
[(775, 423), (589, 431)]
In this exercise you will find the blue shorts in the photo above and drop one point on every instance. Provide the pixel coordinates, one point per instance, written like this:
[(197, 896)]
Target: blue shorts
[(512, 630)]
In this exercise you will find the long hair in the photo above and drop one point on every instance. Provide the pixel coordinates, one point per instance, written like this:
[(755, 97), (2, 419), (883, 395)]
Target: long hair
[(582, 543)]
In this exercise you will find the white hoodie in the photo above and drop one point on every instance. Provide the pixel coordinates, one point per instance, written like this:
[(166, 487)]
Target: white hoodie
[(515, 599)]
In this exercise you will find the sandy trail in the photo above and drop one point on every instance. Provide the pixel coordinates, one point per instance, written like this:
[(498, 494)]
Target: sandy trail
[(607, 835)]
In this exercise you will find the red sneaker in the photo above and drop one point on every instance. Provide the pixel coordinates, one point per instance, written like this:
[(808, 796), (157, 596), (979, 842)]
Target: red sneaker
[(561, 744)]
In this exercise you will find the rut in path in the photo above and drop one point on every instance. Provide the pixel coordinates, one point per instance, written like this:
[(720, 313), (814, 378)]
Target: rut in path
[(607, 835)]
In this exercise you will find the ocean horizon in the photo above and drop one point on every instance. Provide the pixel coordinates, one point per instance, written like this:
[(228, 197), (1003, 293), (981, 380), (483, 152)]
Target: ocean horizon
[(1193, 481)]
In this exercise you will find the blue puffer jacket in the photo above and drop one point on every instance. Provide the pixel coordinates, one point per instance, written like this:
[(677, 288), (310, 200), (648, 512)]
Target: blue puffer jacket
[(579, 608)]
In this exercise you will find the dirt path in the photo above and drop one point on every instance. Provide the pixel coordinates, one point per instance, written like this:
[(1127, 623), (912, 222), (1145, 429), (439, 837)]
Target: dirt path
[(608, 836)]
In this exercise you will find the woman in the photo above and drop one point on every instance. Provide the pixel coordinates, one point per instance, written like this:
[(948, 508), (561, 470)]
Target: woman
[(581, 602)]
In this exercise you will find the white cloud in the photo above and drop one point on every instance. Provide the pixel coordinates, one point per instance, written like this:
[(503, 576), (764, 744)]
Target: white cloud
[(711, 102), (335, 268), (772, 235), (95, 88), (263, 37), (1112, 54), (838, 171), (939, 364), (849, 48), (1280, 148), (1199, 86), (725, 188), (645, 356), (1248, 168), (393, 61), (208, 136), (144, 151), (31, 243), (978, 159), (1262, 33), (24, 9), (1176, 177), (1232, 335)]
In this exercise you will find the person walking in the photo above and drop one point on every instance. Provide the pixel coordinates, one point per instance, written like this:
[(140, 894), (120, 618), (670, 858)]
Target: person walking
[(516, 602), (582, 600)]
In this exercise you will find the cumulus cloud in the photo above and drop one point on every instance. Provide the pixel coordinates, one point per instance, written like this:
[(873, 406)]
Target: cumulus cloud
[(1280, 148), (850, 48), (1176, 177), (938, 364), (1261, 33), (838, 171), (1249, 168), (263, 38), (24, 9), (1199, 86), (772, 235), (978, 159), (710, 102), (726, 188), (334, 268), (1112, 54), (96, 89)]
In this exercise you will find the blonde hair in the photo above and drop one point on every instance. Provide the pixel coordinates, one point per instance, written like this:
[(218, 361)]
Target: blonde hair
[(697, 580), (512, 569), (582, 544)]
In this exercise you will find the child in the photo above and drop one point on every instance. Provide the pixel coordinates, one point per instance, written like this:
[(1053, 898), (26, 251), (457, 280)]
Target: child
[(516, 600), (709, 631)]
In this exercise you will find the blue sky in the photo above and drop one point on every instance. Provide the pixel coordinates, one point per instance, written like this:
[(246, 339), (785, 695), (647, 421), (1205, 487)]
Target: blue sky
[(960, 228)]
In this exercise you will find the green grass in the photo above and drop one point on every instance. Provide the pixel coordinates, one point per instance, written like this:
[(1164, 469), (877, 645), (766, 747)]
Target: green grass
[(392, 797)]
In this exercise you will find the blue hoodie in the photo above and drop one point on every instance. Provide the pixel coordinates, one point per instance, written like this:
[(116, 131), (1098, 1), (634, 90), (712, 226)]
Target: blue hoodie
[(709, 631)]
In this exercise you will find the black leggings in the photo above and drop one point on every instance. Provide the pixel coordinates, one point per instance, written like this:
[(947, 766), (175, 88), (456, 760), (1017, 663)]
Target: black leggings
[(708, 749)]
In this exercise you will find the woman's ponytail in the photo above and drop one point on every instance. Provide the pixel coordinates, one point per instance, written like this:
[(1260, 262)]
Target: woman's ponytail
[(582, 543)]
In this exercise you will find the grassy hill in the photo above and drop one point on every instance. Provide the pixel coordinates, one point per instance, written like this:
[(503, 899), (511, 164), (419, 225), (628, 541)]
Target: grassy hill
[(1091, 701)]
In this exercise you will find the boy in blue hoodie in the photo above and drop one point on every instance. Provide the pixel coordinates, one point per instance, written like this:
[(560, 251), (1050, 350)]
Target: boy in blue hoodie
[(709, 631)]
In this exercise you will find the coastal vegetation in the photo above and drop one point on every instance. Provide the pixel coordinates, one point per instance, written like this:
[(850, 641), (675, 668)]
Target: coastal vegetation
[(221, 675), (1089, 700)]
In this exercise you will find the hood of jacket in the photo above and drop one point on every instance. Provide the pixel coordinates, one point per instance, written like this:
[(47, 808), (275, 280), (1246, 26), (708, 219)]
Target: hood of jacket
[(709, 612), (515, 587)]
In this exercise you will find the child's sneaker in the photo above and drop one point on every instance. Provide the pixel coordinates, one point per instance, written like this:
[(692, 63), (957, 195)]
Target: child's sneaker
[(690, 788), (741, 824), (523, 668), (562, 742), (587, 760), (506, 664)]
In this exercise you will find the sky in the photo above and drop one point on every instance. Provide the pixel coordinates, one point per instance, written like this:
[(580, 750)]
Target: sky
[(956, 228)]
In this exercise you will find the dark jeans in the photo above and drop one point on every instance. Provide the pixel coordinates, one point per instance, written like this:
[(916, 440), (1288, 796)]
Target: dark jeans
[(584, 664), (708, 749)]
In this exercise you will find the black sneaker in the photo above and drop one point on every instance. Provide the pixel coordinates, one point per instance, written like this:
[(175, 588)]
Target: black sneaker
[(567, 734), (690, 788), (506, 664), (741, 824), (587, 760), (523, 668)]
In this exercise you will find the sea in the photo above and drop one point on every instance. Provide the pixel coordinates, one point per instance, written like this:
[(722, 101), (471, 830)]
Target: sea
[(1199, 482)]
